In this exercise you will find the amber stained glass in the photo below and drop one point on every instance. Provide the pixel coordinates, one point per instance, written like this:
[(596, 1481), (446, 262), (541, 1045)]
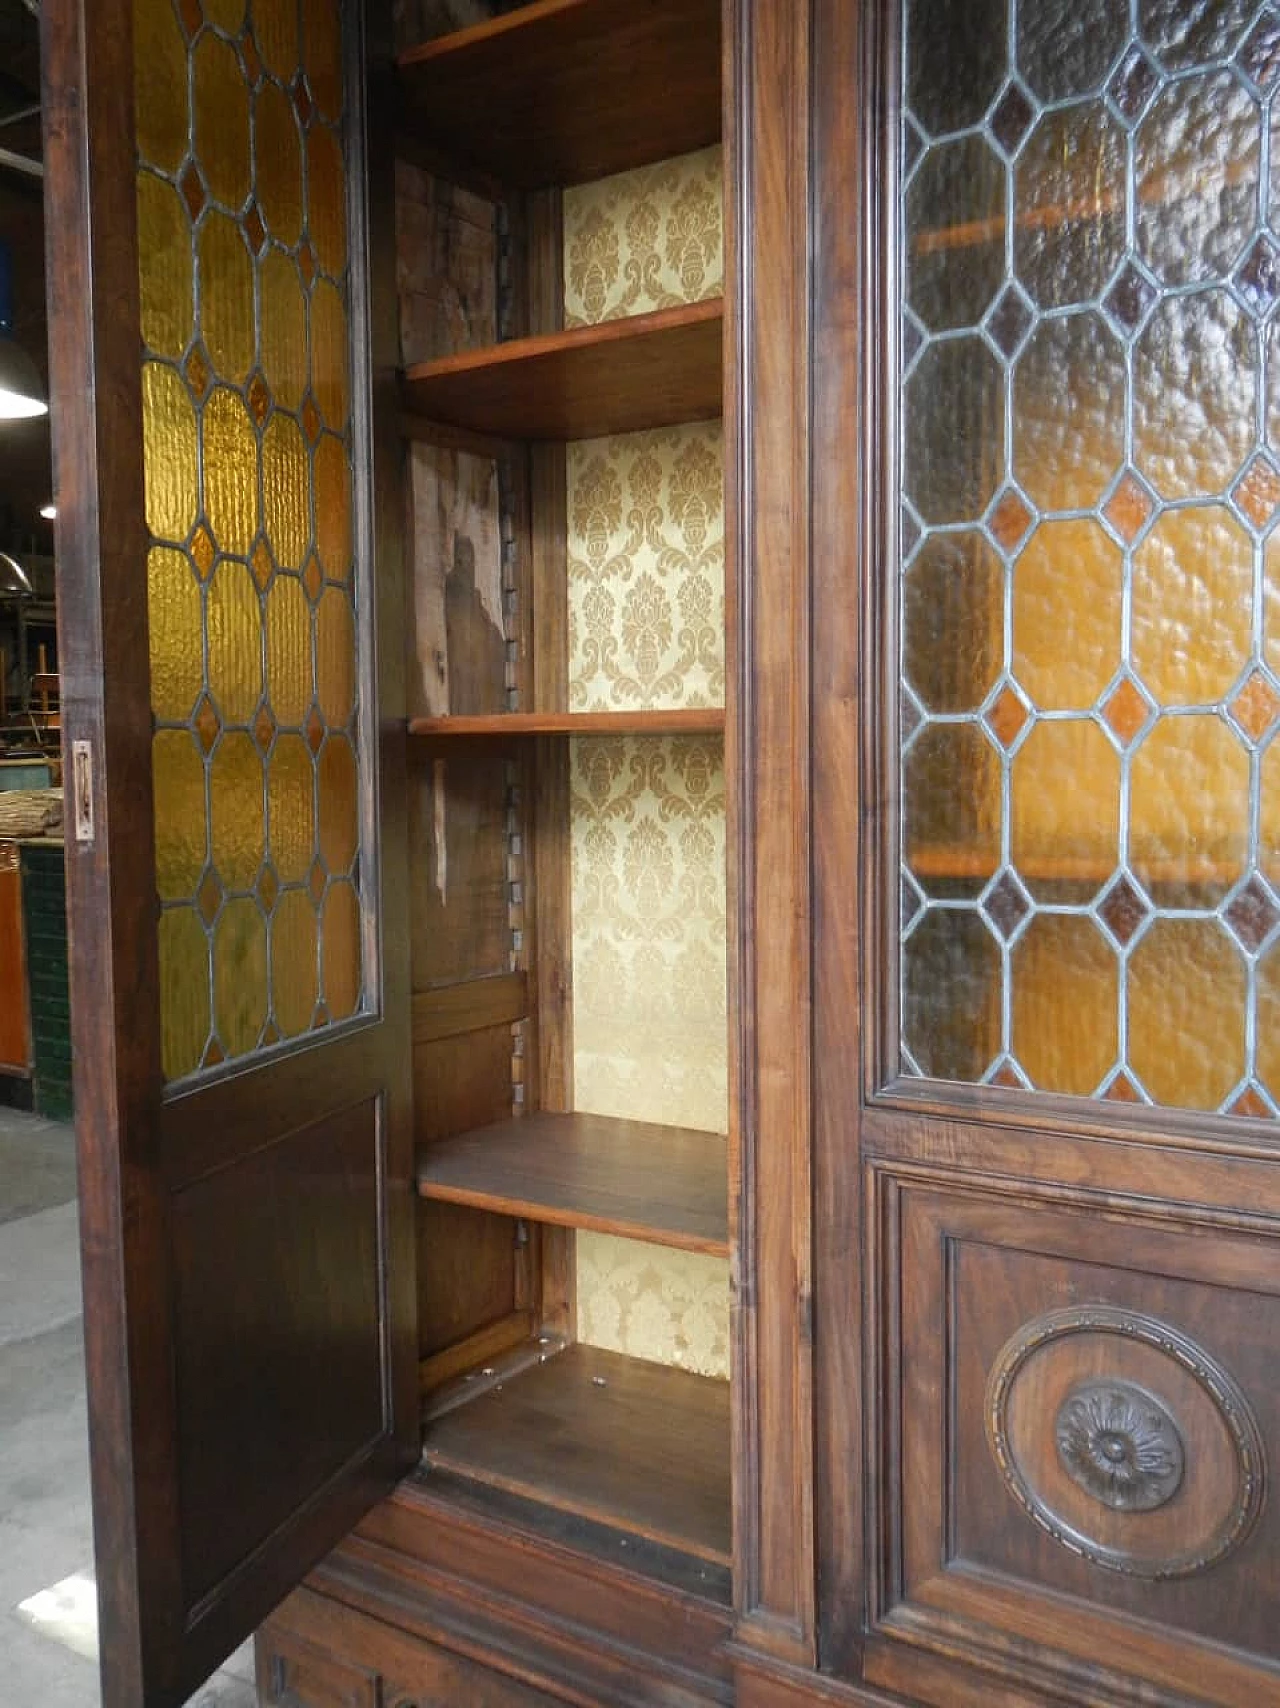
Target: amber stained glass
[(245, 296), (1090, 573)]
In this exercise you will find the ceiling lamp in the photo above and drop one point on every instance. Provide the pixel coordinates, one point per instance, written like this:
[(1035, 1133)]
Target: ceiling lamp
[(14, 580), (21, 388)]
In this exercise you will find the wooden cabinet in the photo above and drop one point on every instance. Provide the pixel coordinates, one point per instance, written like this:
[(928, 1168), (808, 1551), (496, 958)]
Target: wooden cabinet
[(678, 612)]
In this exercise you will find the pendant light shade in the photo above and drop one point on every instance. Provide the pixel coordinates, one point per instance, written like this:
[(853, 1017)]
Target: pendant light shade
[(14, 580), (22, 393)]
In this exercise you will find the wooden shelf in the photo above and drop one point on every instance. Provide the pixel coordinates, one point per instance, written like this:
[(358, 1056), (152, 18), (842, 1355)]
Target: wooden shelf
[(651, 370), (626, 1443), (668, 1185), (568, 90), (700, 720)]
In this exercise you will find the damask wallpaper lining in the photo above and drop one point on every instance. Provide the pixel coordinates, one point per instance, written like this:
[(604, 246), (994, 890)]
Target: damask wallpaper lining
[(646, 629)]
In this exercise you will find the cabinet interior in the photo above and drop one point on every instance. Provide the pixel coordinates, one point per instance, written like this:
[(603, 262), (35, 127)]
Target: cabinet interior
[(560, 239)]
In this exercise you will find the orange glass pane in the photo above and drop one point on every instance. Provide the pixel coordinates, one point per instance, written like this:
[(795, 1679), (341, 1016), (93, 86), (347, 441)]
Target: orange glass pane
[(336, 657), (1269, 1020), (236, 803), (283, 330), (180, 813), (279, 164), (230, 471), (1192, 605), (330, 354), (169, 453), (333, 507), (290, 680), (291, 804), (222, 122), (228, 15), (160, 67), (339, 804), (1189, 811), (275, 29), (294, 963), (1065, 806), (176, 623), (340, 936), (327, 200), (1067, 566), (286, 491), (166, 267), (951, 810), (1187, 1013), (235, 643), (227, 320), (1065, 1016), (240, 976), (184, 991), (322, 49)]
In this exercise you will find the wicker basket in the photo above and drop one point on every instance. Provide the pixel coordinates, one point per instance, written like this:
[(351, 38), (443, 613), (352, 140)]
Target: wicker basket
[(30, 812)]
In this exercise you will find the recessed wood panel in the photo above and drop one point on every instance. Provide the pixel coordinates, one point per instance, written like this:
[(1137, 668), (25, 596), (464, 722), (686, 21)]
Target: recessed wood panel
[(458, 851), (277, 1306), (1088, 1410)]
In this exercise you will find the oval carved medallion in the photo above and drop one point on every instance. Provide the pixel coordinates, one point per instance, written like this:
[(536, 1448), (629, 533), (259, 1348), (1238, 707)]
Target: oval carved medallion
[(1125, 1441)]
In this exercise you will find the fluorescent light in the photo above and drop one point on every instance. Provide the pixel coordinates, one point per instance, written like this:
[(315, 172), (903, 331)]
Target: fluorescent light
[(49, 512)]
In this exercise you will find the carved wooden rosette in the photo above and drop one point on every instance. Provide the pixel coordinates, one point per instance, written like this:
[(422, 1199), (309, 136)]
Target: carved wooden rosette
[(1125, 1441)]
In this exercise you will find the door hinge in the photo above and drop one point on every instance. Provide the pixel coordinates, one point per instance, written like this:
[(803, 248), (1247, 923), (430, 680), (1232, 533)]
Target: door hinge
[(82, 791)]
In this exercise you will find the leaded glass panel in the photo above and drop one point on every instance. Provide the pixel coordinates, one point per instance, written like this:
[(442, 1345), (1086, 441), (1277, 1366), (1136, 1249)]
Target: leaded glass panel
[(245, 295), (1090, 558)]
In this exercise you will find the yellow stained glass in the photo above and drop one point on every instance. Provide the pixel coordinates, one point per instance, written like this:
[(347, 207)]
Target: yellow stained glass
[(330, 354), (246, 388), (1269, 1017), (335, 657), (279, 164), (1192, 605), (333, 507), (240, 976), (230, 471), (326, 200), (286, 491), (291, 790), (289, 651), (1067, 673), (322, 32), (222, 122), (166, 266), (1269, 828), (227, 320), (235, 797), (235, 643), (169, 453), (1271, 601), (275, 29), (176, 622), (339, 804), (342, 951), (1187, 1012), (184, 991), (1062, 964), (283, 330), (160, 61), (180, 813), (1189, 810), (1066, 805), (294, 970)]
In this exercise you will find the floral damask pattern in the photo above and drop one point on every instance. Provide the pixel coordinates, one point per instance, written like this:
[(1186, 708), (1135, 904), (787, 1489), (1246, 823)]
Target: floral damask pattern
[(646, 569), (650, 1037), (644, 240), (671, 1307)]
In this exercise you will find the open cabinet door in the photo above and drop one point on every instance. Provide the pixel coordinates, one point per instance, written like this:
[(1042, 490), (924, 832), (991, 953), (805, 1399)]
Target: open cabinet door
[(235, 856)]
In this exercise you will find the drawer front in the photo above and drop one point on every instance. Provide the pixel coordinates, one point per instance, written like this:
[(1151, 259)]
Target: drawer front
[(369, 1666)]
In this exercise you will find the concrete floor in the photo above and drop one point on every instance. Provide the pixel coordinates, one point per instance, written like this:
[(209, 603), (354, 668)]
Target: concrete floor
[(45, 1525)]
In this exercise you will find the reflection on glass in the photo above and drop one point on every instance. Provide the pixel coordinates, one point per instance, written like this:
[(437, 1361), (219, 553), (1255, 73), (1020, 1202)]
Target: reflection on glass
[(1090, 576)]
